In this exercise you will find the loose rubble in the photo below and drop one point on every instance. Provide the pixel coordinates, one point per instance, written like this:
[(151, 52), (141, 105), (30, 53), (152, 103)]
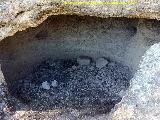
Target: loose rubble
[(76, 84)]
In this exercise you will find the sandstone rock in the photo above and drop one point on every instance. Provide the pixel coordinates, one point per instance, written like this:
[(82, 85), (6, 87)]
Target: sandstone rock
[(141, 101), (101, 62), (19, 15)]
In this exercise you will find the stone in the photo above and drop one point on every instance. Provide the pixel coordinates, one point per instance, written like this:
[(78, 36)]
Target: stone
[(101, 62), (45, 85), (83, 60), (142, 99), (21, 14), (54, 83)]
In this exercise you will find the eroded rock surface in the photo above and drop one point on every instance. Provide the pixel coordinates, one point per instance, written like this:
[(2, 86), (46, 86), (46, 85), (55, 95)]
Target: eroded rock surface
[(142, 101), (17, 15)]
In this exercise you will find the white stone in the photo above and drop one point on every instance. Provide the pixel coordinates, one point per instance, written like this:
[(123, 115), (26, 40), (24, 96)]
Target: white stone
[(83, 60), (54, 83), (45, 85), (101, 62)]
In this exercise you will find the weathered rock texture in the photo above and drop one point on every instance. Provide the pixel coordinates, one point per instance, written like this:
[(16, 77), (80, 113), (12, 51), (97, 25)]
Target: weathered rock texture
[(142, 100), (17, 15)]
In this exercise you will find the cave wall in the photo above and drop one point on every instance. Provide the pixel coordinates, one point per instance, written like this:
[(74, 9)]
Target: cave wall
[(118, 39)]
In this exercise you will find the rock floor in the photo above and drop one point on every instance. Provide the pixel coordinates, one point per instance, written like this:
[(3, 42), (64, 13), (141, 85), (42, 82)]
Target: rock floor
[(65, 86)]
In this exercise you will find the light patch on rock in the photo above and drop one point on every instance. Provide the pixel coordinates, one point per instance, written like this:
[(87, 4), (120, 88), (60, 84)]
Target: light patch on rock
[(101, 62), (45, 85), (83, 60), (54, 83)]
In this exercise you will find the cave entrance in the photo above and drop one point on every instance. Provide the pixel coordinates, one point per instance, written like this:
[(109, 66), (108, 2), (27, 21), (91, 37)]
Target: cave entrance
[(75, 62)]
